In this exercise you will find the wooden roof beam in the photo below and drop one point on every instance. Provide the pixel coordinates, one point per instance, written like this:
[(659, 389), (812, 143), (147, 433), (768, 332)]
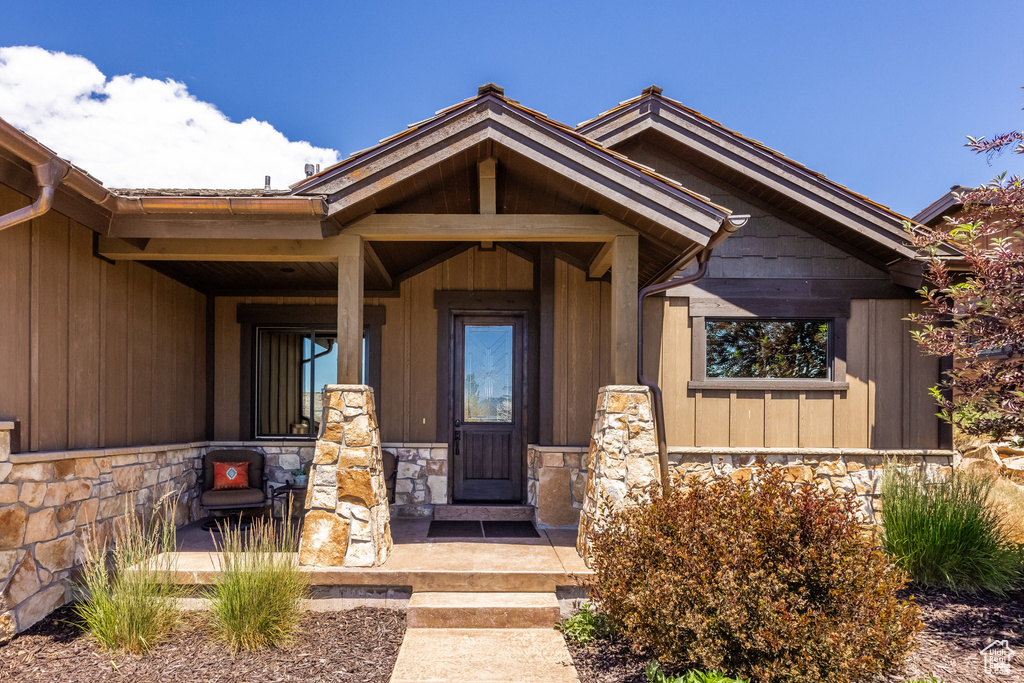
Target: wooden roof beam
[(375, 265), (419, 227), (601, 262)]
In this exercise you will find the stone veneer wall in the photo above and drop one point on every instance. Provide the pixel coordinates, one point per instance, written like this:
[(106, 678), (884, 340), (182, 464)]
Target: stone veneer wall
[(422, 478), (49, 500), (347, 521), (48, 504), (557, 483), (624, 459)]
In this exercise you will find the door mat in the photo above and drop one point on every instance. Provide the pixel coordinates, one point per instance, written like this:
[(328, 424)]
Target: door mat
[(454, 529), (510, 529), (474, 529)]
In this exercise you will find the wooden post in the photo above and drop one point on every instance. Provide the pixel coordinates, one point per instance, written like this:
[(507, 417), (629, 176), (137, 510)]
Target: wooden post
[(624, 310), (350, 309), (545, 270)]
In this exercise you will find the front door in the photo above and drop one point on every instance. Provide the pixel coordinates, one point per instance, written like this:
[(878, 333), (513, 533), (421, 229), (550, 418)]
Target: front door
[(487, 402)]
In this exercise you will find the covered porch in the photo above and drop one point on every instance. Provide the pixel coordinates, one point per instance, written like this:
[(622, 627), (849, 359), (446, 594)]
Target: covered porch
[(479, 271)]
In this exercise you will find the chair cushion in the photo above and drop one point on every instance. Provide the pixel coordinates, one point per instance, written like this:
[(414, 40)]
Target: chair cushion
[(232, 498), (230, 475), (254, 458)]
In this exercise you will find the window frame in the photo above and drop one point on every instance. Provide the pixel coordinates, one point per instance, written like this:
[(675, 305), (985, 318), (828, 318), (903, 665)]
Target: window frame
[(836, 312), (322, 319)]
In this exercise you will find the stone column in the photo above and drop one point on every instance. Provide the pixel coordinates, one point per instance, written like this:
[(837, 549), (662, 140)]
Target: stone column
[(623, 454), (347, 519)]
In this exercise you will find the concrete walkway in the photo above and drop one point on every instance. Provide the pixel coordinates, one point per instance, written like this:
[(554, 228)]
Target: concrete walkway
[(483, 655)]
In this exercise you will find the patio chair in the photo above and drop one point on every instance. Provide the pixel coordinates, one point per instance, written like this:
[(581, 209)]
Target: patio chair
[(233, 502)]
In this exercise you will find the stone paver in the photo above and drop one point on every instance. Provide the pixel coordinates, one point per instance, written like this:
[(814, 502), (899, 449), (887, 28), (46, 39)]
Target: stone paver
[(464, 655)]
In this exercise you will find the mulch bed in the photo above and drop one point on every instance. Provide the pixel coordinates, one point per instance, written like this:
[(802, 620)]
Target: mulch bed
[(358, 645), (956, 629)]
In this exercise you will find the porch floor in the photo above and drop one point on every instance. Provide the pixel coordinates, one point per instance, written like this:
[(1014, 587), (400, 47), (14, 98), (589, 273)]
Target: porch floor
[(426, 564)]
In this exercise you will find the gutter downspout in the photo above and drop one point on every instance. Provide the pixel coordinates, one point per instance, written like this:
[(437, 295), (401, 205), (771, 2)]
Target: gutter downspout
[(49, 176), (731, 225)]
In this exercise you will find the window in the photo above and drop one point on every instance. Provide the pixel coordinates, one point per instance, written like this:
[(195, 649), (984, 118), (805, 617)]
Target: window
[(763, 344), (293, 365), (758, 348), (288, 353)]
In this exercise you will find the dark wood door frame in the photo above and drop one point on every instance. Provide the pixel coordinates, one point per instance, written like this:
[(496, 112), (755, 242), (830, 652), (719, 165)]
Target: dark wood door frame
[(505, 441), (497, 303)]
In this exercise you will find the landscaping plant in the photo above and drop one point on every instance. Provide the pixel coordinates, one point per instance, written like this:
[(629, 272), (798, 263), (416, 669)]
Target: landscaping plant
[(976, 314), (946, 532), (257, 598), (656, 675), (126, 592), (768, 579), (586, 625)]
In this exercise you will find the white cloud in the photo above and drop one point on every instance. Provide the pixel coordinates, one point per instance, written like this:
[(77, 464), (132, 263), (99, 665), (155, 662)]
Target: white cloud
[(131, 131)]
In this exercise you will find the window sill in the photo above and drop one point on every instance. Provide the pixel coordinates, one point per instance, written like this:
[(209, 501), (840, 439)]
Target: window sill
[(770, 384)]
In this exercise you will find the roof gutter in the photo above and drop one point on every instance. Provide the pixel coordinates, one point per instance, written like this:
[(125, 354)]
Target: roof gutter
[(48, 175), (39, 156), (729, 226)]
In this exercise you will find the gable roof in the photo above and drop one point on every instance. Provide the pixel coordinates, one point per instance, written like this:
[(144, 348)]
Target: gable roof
[(874, 230), (616, 185)]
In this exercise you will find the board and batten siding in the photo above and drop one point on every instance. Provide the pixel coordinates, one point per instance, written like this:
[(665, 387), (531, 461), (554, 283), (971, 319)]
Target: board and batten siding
[(886, 407), (94, 354), (407, 406)]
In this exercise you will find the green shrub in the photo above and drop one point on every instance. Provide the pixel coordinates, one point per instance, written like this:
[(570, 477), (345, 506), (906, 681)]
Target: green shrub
[(586, 625), (768, 579), (656, 675), (256, 600), (126, 591), (946, 532)]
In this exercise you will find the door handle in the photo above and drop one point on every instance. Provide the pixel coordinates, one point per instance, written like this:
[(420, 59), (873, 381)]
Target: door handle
[(457, 435)]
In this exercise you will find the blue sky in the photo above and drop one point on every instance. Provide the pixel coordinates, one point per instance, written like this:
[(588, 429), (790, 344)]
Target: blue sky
[(877, 95)]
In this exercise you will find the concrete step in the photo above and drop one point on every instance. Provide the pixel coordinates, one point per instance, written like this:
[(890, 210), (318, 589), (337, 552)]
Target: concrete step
[(485, 513), (483, 655), (482, 610)]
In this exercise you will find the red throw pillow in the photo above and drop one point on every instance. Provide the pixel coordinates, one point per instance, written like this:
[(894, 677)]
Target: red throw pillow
[(230, 475)]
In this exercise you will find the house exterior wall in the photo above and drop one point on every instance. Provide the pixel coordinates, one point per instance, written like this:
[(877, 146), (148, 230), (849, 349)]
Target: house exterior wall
[(407, 405), (887, 405), (94, 354)]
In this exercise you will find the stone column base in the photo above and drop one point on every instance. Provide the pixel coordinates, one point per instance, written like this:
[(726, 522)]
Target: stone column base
[(347, 523), (623, 454)]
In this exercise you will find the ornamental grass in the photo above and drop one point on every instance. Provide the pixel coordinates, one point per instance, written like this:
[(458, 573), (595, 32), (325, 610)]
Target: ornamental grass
[(127, 597), (257, 599), (948, 531)]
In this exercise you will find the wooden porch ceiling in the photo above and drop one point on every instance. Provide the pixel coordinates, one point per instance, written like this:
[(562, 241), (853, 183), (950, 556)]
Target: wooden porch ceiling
[(400, 260)]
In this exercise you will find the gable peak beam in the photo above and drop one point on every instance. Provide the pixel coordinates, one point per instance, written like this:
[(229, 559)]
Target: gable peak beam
[(617, 181), (487, 172)]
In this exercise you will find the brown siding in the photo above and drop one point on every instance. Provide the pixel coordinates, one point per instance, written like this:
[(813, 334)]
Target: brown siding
[(581, 341), (93, 354), (408, 401), (886, 406)]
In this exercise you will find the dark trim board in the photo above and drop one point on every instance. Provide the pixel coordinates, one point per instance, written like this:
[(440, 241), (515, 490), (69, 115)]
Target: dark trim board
[(316, 314), (794, 288)]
